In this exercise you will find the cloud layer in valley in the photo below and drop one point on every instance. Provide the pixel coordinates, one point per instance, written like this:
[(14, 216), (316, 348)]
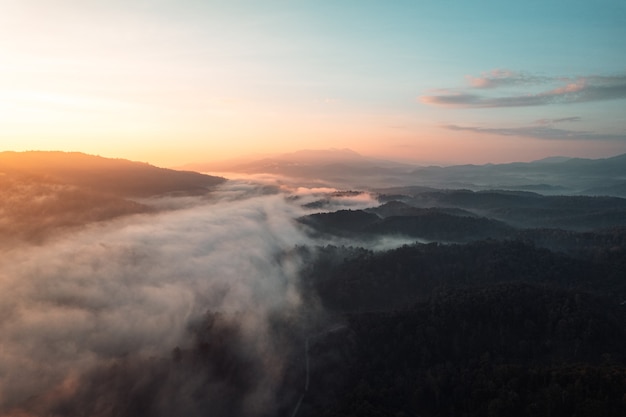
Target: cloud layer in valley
[(131, 288)]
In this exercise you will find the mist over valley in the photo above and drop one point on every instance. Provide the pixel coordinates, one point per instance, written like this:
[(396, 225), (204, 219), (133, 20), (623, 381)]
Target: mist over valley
[(314, 283)]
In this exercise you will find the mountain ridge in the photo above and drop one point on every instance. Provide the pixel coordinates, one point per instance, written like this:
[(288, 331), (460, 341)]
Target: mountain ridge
[(121, 177), (45, 193), (346, 168)]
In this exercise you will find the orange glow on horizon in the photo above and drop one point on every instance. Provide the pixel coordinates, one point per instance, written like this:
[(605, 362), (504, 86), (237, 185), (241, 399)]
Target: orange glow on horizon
[(431, 146)]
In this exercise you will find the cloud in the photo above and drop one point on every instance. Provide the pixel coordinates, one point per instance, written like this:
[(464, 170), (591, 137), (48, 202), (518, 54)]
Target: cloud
[(564, 91), (131, 287), (541, 131), (502, 78), (96, 314), (559, 120)]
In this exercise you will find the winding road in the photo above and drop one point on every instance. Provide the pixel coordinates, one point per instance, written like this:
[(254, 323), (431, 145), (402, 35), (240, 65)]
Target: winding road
[(307, 360)]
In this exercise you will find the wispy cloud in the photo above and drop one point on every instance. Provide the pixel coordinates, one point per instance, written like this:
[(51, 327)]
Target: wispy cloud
[(502, 78), (557, 90), (541, 131), (130, 292), (559, 120), (135, 285)]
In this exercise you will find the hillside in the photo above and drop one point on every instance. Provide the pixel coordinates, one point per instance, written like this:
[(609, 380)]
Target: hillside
[(116, 176), (519, 208), (43, 193), (429, 224), (509, 350)]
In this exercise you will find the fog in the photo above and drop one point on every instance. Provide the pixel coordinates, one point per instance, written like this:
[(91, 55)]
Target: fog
[(134, 287)]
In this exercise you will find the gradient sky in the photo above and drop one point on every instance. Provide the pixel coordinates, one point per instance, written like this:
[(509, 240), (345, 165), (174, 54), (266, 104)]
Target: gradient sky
[(177, 81)]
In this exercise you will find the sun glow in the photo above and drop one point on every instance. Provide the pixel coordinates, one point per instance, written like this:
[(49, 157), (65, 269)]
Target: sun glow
[(173, 82)]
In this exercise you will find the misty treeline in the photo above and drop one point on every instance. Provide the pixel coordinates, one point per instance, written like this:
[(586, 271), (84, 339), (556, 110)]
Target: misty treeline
[(220, 372), (462, 215)]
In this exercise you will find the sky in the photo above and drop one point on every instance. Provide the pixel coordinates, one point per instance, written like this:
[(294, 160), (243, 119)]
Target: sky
[(178, 81)]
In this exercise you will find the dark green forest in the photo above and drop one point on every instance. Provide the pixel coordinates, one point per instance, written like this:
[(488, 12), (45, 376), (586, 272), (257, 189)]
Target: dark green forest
[(488, 328), (515, 308)]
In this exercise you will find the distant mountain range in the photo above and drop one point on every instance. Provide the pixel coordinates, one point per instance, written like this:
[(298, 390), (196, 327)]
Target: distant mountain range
[(347, 169), (338, 167), (559, 175)]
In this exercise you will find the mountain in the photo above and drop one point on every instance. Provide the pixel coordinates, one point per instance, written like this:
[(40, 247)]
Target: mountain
[(398, 219), (605, 176), (552, 159), (465, 216), (336, 167), (519, 208), (116, 176), (45, 193), (348, 169)]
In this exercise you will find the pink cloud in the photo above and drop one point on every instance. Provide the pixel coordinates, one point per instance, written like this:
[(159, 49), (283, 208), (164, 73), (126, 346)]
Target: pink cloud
[(494, 78), (578, 90), (542, 131)]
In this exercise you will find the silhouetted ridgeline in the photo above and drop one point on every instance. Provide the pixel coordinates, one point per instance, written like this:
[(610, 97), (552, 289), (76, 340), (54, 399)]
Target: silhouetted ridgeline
[(521, 209), (116, 176), (463, 215), (346, 168), (44, 192), (429, 224)]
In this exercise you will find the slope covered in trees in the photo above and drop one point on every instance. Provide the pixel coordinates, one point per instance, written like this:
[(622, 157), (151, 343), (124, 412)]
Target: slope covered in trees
[(489, 328), (505, 350), (521, 209), (464, 216), (42, 193), (116, 176)]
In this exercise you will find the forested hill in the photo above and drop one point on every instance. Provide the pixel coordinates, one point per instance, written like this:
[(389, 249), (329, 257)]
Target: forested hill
[(487, 328), (356, 279), (42, 193), (464, 215), (510, 350), (525, 315), (116, 176)]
